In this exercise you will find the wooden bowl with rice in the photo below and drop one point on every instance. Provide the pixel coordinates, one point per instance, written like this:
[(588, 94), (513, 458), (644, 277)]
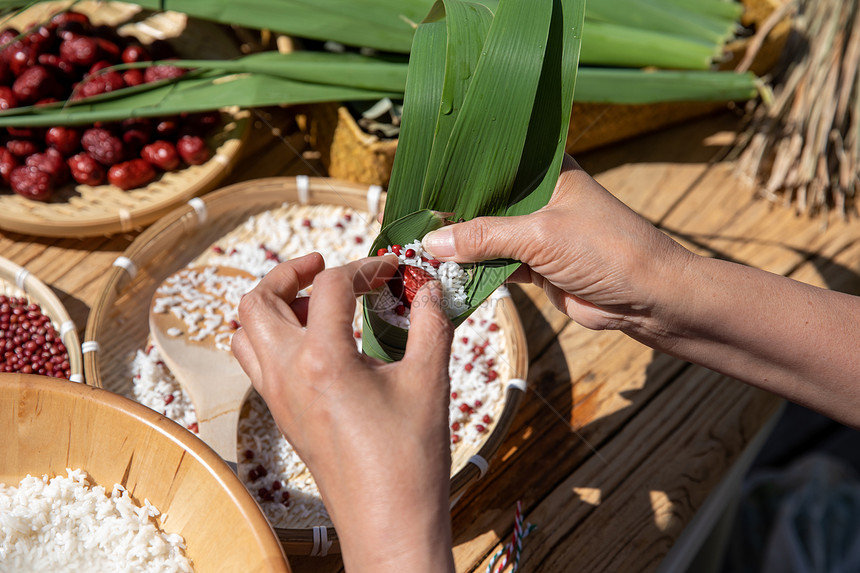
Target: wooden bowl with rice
[(53, 426)]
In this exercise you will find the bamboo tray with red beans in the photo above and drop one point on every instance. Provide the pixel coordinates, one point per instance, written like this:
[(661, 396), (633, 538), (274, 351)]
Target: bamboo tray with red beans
[(86, 180)]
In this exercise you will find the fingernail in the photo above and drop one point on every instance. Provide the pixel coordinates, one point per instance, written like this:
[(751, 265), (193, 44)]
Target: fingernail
[(439, 243)]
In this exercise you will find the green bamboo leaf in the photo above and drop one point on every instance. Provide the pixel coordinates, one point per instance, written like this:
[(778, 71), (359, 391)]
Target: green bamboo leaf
[(608, 44), (713, 24), (424, 89), (476, 178), (631, 86), (467, 30), (348, 70), (538, 43), (198, 94)]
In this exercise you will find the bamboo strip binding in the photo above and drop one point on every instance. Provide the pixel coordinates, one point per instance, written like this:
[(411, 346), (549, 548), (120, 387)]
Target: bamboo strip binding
[(118, 319), (17, 281)]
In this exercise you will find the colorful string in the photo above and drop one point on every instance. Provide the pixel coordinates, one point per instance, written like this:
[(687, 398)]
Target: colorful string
[(513, 548)]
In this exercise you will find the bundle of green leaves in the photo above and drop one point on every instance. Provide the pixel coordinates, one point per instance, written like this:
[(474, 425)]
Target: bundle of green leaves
[(486, 110)]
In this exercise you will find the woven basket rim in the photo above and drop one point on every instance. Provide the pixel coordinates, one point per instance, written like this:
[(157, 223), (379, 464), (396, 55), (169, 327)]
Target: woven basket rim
[(306, 541), (14, 275)]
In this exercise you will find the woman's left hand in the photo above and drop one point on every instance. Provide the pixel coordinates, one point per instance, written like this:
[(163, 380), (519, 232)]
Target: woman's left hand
[(374, 435)]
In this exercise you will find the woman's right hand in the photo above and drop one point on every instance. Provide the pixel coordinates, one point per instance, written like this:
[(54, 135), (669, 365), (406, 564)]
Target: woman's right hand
[(598, 261)]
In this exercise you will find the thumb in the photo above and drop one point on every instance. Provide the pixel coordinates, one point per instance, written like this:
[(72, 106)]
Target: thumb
[(430, 331), (480, 239)]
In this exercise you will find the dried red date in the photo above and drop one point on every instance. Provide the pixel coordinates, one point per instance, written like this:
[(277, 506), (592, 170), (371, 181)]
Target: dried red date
[(80, 50), (108, 49), (99, 84), (135, 53), (131, 174), (8, 100), (133, 77), (31, 182), (20, 56), (52, 163), (192, 149), (105, 147), (7, 35), (162, 154), (62, 69), (86, 170), (99, 66), (164, 72), (42, 40), (166, 128), (22, 147), (8, 162), (66, 140), (34, 84), (68, 17)]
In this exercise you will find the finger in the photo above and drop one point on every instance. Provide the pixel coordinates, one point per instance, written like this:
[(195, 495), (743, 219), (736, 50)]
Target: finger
[(332, 304), (244, 353), (267, 319), (481, 239), (278, 289), (430, 332), (288, 278)]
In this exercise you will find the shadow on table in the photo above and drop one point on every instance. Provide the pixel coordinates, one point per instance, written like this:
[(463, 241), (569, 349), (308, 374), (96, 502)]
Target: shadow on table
[(698, 140)]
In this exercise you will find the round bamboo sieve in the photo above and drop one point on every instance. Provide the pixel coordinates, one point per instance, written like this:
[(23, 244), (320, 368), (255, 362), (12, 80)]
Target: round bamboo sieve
[(49, 426), (118, 324), (16, 281), (85, 211)]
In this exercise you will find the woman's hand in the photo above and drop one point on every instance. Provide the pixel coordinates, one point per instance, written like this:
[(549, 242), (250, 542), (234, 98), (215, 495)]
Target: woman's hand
[(597, 260), (374, 435), (608, 268)]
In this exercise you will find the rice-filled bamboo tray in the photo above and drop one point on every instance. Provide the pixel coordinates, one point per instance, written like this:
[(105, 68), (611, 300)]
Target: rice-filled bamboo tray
[(50, 427), (77, 210), (220, 228), (17, 282)]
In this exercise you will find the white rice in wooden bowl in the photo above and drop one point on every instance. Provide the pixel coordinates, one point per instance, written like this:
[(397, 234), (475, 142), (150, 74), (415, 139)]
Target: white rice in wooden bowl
[(268, 465), (67, 523)]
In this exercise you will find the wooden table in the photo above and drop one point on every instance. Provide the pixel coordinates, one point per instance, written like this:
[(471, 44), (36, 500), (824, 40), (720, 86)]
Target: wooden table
[(616, 446)]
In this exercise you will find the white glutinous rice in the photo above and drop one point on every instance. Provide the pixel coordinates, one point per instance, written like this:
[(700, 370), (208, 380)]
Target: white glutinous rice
[(66, 523), (268, 466), (452, 277)]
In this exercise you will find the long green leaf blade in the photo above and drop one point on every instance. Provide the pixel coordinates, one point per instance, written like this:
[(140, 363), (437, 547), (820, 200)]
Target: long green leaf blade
[(477, 177), (420, 107)]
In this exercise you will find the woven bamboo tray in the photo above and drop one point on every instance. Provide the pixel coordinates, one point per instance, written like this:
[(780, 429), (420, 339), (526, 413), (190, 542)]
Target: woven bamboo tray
[(84, 211), (16, 281), (118, 324), (350, 153), (48, 426)]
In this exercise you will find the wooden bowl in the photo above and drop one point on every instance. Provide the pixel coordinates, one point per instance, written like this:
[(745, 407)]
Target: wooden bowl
[(118, 319), (16, 281), (85, 211), (50, 425)]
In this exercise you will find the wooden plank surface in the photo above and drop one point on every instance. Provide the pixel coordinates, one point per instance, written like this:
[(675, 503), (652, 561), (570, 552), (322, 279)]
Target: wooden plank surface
[(615, 446)]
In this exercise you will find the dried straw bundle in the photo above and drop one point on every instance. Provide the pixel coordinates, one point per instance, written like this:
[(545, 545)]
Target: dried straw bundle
[(805, 145)]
